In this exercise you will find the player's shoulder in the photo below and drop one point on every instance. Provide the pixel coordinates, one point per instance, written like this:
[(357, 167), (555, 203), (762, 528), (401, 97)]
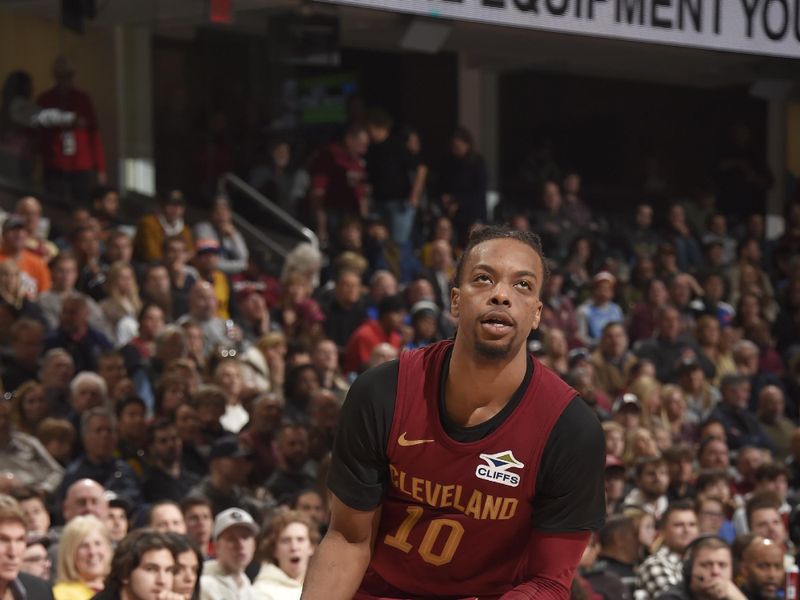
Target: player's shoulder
[(375, 388), (378, 378), (578, 428)]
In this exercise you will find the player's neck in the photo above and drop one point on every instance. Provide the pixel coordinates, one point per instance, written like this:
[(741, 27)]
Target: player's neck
[(475, 391)]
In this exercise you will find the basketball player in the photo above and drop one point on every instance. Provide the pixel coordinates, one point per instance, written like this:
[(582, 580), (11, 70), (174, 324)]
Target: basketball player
[(466, 468)]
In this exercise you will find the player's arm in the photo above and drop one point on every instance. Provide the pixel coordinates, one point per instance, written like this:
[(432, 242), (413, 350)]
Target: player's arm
[(357, 480), (569, 504), (341, 559), (554, 557)]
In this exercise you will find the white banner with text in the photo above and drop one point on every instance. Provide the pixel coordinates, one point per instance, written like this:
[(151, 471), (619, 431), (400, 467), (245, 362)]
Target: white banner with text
[(748, 26)]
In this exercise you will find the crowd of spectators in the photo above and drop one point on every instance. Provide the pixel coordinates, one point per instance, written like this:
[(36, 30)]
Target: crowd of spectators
[(170, 402)]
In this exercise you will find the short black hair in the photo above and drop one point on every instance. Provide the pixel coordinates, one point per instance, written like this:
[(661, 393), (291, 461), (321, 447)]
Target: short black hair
[(494, 232), (101, 191), (760, 501), (159, 424), (676, 506), (193, 500), (378, 117), (771, 471), (613, 526), (646, 461), (127, 401), (129, 553)]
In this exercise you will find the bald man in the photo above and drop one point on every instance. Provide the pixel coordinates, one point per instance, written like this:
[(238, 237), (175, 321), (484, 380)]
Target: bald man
[(762, 569), (85, 497), (772, 418)]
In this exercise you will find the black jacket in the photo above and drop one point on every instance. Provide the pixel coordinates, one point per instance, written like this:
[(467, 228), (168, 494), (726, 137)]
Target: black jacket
[(35, 588)]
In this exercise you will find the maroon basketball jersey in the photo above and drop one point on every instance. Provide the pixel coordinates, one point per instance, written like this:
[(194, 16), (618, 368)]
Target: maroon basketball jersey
[(457, 516)]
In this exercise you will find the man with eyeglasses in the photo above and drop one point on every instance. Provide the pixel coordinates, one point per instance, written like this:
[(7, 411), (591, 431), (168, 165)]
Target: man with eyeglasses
[(36, 561)]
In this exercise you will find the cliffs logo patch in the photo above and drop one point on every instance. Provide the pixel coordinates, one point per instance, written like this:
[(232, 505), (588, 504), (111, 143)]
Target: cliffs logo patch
[(497, 468)]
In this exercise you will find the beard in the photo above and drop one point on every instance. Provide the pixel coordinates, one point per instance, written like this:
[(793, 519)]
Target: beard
[(492, 352)]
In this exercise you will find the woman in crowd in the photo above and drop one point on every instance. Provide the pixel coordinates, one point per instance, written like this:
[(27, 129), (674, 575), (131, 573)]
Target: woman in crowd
[(297, 289), (708, 334), (171, 392), (286, 547), (228, 376), (749, 310), (188, 566), (645, 524), (30, 406), (615, 438), (142, 347), (16, 291), (84, 559), (647, 390), (263, 364), (674, 415), (638, 444), (122, 304)]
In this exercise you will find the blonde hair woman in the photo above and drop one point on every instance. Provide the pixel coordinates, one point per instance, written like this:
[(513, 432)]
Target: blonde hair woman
[(84, 559), (674, 415), (639, 443), (647, 389), (121, 307)]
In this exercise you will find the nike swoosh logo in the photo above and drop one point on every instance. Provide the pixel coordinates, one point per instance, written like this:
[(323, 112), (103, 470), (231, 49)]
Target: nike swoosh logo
[(405, 442)]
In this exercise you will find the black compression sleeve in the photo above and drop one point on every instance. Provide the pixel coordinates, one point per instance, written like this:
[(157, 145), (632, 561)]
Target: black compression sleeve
[(359, 465), (570, 485)]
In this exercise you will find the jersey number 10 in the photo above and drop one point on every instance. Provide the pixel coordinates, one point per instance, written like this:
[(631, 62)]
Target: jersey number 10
[(400, 539)]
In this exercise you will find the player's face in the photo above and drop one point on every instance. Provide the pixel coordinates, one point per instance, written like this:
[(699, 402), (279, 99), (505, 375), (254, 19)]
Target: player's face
[(497, 300)]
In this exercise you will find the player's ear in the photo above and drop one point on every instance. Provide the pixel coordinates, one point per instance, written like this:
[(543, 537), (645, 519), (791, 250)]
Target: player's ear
[(537, 315), (455, 294)]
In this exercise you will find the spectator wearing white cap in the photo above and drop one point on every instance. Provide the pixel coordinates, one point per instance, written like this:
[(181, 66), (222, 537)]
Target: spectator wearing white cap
[(235, 543), (594, 314)]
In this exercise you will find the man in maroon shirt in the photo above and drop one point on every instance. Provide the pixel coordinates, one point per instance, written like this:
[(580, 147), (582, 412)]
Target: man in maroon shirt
[(73, 155), (338, 182), (465, 469)]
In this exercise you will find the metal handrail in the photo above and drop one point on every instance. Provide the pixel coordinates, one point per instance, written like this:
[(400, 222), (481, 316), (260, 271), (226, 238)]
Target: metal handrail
[(272, 208), (264, 239)]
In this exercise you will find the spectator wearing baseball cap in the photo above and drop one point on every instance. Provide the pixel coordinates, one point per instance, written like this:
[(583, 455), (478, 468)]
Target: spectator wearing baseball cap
[(229, 466), (206, 261), (153, 229), (424, 322), (594, 314), (235, 542)]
